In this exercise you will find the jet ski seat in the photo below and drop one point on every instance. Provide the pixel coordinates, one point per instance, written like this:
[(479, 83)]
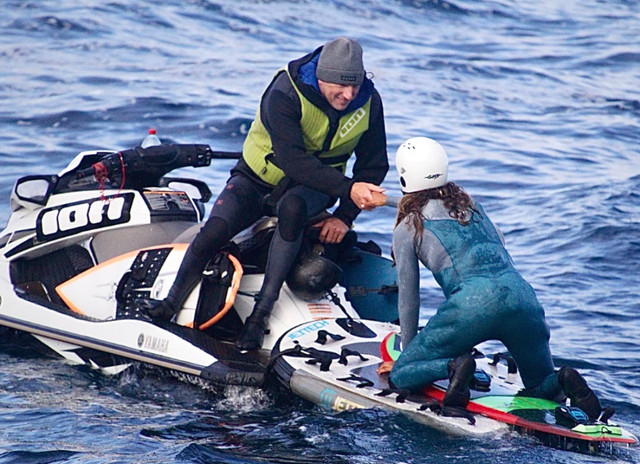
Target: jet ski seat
[(112, 243)]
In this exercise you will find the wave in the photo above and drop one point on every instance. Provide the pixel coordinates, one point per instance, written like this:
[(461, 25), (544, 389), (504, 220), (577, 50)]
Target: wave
[(36, 457)]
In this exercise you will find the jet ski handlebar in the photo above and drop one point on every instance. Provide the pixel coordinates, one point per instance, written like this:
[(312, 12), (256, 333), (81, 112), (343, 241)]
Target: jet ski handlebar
[(143, 167)]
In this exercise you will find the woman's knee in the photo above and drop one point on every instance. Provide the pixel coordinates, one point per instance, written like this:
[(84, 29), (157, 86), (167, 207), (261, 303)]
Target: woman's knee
[(417, 374)]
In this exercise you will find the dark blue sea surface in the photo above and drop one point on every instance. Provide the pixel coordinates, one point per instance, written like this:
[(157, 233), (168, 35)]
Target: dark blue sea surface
[(537, 104)]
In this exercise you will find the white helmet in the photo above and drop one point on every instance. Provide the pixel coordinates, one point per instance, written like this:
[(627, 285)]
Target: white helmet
[(422, 164)]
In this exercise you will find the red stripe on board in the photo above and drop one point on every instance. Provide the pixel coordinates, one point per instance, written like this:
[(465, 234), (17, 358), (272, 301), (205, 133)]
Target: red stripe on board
[(511, 419)]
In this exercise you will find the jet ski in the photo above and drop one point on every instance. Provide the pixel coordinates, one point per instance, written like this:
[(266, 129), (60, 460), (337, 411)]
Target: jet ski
[(81, 246), (111, 227)]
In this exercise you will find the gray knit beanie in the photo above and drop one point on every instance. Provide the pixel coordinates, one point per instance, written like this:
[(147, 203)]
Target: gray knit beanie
[(341, 62)]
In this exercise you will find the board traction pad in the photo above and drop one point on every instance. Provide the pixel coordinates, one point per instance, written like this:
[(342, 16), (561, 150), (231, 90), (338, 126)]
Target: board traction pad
[(359, 384)]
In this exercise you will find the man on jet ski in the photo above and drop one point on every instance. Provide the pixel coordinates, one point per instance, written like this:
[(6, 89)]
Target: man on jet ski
[(442, 227), (314, 114)]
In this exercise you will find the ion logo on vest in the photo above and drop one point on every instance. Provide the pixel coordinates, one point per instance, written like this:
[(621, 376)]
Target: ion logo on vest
[(352, 122)]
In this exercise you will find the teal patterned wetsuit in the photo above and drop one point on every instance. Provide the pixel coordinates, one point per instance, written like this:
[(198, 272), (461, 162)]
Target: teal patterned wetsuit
[(486, 299)]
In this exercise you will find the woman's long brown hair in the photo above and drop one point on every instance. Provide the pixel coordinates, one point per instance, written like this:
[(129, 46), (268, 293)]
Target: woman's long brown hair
[(456, 200)]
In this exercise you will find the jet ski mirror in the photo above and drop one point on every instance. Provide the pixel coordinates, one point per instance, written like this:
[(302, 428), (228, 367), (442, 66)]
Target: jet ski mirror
[(196, 189), (32, 192)]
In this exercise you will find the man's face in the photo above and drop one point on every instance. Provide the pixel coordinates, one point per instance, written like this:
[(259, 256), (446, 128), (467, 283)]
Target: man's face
[(338, 95)]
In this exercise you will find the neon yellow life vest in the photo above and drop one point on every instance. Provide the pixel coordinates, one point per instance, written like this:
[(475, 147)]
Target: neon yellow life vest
[(257, 146)]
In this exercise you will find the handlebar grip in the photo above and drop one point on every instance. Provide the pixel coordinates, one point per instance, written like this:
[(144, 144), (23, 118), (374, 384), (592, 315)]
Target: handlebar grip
[(99, 171), (85, 172)]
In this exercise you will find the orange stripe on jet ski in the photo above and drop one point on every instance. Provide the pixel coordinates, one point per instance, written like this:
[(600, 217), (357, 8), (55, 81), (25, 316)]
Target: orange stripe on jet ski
[(231, 294), (60, 288)]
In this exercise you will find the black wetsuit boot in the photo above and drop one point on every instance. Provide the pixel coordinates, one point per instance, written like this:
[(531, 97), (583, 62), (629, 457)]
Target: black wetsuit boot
[(252, 334), (187, 278), (461, 371), (282, 254), (581, 396), (213, 235)]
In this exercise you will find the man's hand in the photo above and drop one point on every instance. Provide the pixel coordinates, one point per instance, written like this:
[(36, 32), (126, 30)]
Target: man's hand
[(333, 230), (362, 194)]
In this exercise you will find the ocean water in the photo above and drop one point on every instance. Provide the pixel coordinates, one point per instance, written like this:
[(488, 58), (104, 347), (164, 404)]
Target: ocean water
[(537, 104)]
